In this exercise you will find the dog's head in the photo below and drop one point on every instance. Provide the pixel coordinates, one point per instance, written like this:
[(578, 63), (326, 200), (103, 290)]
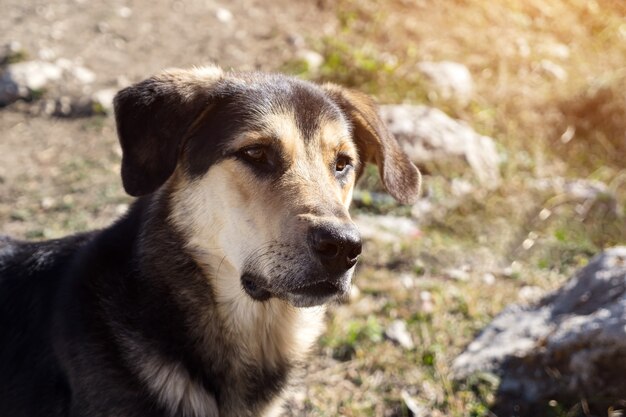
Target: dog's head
[(259, 171)]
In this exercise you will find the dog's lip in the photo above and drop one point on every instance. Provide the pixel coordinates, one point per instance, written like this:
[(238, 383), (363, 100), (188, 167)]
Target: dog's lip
[(320, 289), (257, 288)]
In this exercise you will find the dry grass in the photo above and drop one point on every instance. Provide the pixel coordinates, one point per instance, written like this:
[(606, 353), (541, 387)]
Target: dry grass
[(546, 125), (539, 67), (550, 87)]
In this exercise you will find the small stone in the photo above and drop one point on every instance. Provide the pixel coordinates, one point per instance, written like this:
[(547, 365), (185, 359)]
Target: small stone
[(104, 99), (224, 15), (397, 332), (530, 293), (426, 302), (313, 59), (458, 274), (489, 278), (83, 75), (47, 202), (407, 281), (415, 409), (554, 70), (125, 12)]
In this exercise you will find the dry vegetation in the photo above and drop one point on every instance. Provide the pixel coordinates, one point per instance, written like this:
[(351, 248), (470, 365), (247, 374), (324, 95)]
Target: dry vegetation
[(550, 79)]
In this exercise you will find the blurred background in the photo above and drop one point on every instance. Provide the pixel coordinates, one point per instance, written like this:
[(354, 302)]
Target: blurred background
[(514, 109)]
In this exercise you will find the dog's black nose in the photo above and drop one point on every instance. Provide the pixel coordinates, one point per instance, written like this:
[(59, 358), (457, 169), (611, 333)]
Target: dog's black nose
[(337, 246)]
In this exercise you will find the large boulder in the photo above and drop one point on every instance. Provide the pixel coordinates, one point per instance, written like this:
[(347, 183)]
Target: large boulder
[(570, 345), (443, 146)]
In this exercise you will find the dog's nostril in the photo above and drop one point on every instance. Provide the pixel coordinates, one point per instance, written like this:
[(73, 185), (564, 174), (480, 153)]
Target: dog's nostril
[(327, 249), (354, 252)]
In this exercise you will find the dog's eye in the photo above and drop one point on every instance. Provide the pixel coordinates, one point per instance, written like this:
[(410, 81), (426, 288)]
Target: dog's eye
[(342, 163), (255, 154)]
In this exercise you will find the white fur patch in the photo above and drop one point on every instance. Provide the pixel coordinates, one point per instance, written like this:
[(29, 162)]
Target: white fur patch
[(176, 389)]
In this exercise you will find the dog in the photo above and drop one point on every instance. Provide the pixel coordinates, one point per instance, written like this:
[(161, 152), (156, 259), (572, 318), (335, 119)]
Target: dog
[(203, 297)]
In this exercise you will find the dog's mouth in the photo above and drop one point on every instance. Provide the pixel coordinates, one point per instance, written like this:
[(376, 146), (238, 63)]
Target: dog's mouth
[(310, 294), (321, 289)]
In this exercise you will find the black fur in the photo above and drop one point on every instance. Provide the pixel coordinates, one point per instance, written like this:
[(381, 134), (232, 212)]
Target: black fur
[(64, 304)]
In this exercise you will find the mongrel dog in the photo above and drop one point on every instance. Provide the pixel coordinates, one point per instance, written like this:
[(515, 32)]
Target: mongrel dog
[(203, 297)]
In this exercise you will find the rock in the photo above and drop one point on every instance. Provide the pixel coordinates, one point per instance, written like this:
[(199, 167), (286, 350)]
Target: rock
[(60, 80), (582, 191), (224, 15), (398, 333), (416, 409), (23, 79), (103, 99), (386, 228), (442, 145), (553, 70), (313, 60), (570, 345), (449, 80)]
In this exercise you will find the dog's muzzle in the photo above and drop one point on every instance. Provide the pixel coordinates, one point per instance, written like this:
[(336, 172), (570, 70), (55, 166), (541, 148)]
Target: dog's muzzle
[(325, 272)]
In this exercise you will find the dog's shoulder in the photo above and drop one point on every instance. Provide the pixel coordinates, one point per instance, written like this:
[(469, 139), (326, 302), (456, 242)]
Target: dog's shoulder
[(29, 276), (22, 260)]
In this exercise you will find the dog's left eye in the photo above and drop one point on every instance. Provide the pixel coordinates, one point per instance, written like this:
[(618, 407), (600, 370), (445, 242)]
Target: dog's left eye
[(255, 154), (342, 163)]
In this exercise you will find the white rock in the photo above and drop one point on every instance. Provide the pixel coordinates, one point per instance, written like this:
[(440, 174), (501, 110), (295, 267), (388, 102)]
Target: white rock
[(224, 15), (82, 74), (104, 98), (450, 80), (458, 274), (552, 69), (33, 75), (313, 59), (416, 409), (386, 228), (489, 278), (125, 12), (398, 333), (443, 145)]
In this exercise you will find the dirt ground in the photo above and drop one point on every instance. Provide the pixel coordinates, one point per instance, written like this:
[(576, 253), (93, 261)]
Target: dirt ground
[(121, 42), (61, 175)]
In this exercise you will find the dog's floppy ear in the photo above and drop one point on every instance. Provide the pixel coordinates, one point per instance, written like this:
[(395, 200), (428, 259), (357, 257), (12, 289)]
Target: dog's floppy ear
[(377, 145), (152, 119)]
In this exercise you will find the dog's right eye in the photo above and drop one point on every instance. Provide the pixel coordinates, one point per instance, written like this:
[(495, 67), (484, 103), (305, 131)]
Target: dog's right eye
[(255, 154), (258, 156)]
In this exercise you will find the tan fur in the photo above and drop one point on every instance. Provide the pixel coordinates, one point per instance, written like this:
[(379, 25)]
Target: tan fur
[(228, 215), (169, 381)]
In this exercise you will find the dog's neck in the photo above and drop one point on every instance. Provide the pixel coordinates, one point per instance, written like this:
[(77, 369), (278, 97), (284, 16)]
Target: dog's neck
[(226, 332)]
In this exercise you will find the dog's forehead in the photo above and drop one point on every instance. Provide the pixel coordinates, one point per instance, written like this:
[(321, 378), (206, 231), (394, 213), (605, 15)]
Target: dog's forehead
[(261, 100), (248, 107)]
